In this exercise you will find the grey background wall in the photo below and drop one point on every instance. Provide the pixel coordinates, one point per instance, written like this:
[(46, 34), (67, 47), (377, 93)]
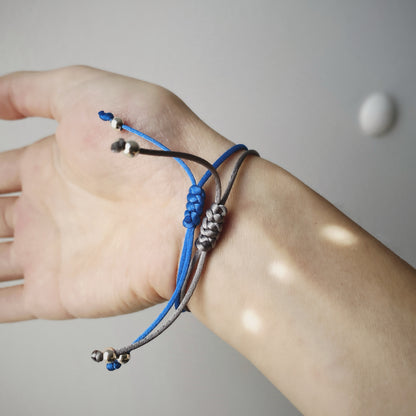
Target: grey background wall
[(284, 77)]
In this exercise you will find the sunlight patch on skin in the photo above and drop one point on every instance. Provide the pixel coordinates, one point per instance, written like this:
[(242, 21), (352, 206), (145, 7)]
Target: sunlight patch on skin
[(281, 271), (6, 240), (338, 235), (251, 321), (11, 283)]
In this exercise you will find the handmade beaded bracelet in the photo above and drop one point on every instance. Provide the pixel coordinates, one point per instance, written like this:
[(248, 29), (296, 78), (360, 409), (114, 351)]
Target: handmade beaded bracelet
[(191, 262)]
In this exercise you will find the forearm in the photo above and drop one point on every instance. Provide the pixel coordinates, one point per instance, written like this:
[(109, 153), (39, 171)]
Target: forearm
[(323, 309)]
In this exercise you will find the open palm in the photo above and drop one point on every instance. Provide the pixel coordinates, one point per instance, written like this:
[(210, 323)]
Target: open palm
[(95, 233)]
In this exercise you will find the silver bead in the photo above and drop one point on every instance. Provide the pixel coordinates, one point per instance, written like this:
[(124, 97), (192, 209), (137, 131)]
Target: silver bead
[(118, 146), (116, 123), (123, 358), (131, 149), (110, 355), (97, 356)]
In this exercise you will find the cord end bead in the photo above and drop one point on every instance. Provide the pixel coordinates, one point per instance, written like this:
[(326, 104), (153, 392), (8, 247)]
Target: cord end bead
[(97, 356), (123, 358), (131, 148), (109, 355), (116, 123), (112, 359), (118, 146)]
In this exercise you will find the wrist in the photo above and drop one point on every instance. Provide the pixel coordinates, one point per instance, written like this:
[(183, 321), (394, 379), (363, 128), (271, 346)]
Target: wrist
[(234, 269), (293, 284)]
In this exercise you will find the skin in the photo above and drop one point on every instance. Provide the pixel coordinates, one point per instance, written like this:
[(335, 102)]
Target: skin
[(91, 222), (323, 309)]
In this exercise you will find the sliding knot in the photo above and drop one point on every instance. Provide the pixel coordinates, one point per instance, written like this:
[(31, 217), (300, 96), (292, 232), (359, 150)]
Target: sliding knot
[(211, 227), (194, 206)]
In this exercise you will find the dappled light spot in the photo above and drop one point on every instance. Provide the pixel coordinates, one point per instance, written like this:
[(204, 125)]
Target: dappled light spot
[(251, 321), (338, 235), (6, 240), (281, 271), (11, 283)]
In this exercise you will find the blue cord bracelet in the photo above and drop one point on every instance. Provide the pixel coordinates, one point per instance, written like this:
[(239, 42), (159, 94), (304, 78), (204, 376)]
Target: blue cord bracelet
[(192, 218)]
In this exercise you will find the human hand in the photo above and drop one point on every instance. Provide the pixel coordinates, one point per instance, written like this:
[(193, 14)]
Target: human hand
[(94, 233)]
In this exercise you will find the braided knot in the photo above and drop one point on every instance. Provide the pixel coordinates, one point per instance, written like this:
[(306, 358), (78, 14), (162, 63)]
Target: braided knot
[(194, 206), (211, 227)]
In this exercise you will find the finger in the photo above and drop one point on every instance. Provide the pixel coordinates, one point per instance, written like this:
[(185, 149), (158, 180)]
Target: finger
[(9, 265), (38, 94), (12, 307), (10, 170), (7, 216), (25, 94)]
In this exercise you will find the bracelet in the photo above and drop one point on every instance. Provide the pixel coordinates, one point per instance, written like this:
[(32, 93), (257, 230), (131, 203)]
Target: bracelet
[(191, 261)]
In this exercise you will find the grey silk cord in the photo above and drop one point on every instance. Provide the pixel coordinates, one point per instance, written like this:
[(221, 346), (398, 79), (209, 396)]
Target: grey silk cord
[(205, 242), (209, 232), (199, 258)]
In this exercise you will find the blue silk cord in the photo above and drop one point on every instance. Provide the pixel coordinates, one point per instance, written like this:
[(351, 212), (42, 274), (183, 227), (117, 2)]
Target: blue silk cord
[(194, 210)]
